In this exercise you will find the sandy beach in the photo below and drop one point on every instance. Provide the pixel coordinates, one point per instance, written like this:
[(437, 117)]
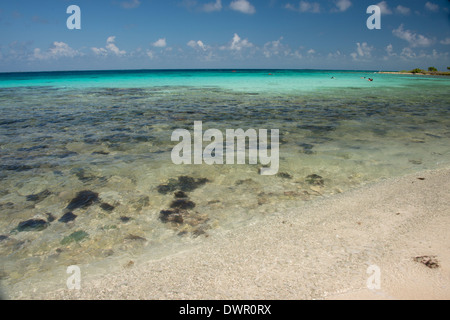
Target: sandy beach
[(321, 251)]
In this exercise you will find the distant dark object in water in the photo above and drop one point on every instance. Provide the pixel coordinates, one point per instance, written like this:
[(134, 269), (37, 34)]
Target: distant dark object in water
[(32, 225), (182, 204), (83, 199), (68, 217), (39, 196), (107, 207), (315, 180), (284, 175), (171, 216), (184, 183)]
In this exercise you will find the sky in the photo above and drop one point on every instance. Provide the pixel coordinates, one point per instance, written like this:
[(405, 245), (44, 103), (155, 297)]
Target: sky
[(208, 34)]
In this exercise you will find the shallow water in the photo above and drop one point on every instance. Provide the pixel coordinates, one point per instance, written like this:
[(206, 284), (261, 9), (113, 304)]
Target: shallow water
[(110, 133)]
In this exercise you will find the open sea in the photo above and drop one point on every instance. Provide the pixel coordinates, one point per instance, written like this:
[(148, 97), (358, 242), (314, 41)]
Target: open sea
[(87, 177)]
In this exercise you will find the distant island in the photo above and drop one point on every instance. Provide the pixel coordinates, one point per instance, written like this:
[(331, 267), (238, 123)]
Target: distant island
[(432, 71)]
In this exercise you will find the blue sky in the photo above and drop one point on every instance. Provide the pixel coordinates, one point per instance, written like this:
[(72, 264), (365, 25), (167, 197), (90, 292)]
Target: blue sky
[(155, 34)]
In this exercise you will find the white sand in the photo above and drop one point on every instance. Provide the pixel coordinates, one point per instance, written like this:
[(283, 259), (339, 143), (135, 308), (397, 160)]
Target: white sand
[(320, 251)]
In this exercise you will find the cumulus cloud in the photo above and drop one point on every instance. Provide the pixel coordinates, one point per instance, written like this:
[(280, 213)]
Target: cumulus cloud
[(237, 44), (343, 5), (110, 48), (446, 41), (242, 6), (57, 50), (160, 43), (131, 4), (403, 10), (390, 50), (197, 45), (414, 39), (274, 48), (431, 6), (304, 6), (213, 6), (363, 50), (384, 7)]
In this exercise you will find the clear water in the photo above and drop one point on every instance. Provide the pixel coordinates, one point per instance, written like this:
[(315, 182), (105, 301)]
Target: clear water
[(110, 133)]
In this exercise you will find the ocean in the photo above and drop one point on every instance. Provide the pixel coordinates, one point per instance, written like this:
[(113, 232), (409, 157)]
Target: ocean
[(87, 177)]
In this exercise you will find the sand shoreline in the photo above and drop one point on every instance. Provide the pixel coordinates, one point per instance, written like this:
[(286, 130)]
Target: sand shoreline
[(321, 251)]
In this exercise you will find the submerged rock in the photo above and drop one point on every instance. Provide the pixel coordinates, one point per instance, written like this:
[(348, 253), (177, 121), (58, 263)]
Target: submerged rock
[(125, 219), (77, 236), (134, 238), (39, 196), (171, 216), (83, 199), (68, 217), (183, 183), (50, 217), (183, 204), (284, 175), (181, 195), (315, 180), (32, 225), (107, 207)]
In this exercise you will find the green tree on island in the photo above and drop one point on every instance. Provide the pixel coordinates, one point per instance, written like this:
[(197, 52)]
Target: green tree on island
[(432, 69)]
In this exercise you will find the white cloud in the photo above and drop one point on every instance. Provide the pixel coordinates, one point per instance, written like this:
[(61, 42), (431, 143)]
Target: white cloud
[(160, 43), (414, 39), (274, 48), (110, 48), (403, 10), (150, 54), (237, 44), (57, 50), (243, 6), (384, 7), (446, 41), (408, 53), (197, 45), (311, 51), (304, 6), (390, 50), (431, 7), (343, 5), (130, 4), (363, 50), (213, 6)]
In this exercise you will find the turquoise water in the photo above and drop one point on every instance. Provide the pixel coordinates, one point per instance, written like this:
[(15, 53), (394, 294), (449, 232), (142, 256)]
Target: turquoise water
[(109, 133)]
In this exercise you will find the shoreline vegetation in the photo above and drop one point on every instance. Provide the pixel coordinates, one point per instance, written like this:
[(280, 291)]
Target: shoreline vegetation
[(431, 72)]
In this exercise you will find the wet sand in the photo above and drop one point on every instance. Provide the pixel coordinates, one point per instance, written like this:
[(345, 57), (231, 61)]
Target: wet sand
[(320, 251)]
